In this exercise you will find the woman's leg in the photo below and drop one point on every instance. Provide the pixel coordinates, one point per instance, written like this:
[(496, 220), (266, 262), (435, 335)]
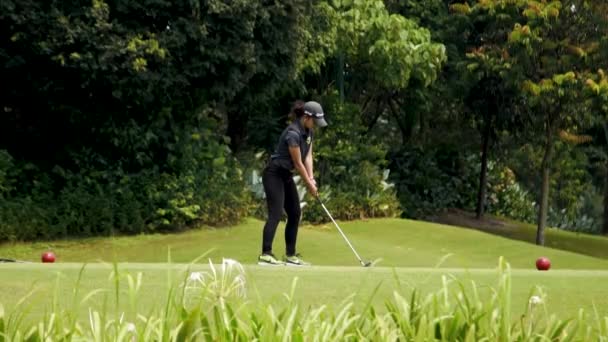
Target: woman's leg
[(275, 196), (292, 208)]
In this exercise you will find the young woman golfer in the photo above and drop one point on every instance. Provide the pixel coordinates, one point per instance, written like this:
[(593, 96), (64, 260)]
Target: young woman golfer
[(293, 153)]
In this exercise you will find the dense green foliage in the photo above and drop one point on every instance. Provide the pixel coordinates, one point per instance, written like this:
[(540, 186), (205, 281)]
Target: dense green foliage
[(115, 116), (120, 116)]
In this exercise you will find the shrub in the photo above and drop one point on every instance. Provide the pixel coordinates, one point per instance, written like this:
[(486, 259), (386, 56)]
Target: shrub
[(6, 167), (351, 167), (506, 197), (433, 179), (201, 184)]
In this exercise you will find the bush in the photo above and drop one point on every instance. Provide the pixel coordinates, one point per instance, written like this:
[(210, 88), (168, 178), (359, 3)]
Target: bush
[(574, 203), (201, 184), (585, 216), (253, 165), (351, 167), (6, 167), (506, 197), (430, 180), (378, 200)]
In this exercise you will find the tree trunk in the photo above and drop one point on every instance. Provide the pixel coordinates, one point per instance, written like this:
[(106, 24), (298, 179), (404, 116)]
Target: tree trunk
[(377, 110), (605, 225), (400, 122), (340, 76), (236, 131), (481, 194), (544, 194)]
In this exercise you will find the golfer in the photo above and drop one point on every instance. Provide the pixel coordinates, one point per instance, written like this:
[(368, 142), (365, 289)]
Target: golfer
[(293, 153)]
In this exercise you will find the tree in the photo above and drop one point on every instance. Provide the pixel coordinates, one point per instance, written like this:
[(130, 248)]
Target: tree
[(377, 57), (549, 58), (491, 92), (277, 37), (597, 86), (472, 81), (128, 103), (356, 46), (118, 74), (544, 58)]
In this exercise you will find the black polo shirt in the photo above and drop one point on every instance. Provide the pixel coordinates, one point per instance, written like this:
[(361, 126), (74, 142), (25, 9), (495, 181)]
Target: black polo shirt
[(293, 135)]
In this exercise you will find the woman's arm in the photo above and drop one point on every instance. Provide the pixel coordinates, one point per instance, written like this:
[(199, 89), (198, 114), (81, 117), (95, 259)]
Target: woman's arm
[(294, 151), (308, 165)]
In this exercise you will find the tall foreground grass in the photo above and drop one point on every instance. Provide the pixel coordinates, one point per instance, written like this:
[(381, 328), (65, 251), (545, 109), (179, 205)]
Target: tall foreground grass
[(214, 306)]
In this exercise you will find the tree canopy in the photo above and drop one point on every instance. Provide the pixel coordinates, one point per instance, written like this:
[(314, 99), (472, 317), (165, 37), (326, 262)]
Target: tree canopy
[(136, 116)]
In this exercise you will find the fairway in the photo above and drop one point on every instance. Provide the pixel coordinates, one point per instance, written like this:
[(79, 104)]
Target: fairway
[(390, 242), (409, 255), (566, 290)]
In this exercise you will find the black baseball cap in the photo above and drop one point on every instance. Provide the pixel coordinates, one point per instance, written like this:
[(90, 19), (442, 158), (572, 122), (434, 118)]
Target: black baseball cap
[(314, 109)]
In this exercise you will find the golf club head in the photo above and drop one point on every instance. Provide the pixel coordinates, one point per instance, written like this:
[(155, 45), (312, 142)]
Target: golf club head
[(366, 263)]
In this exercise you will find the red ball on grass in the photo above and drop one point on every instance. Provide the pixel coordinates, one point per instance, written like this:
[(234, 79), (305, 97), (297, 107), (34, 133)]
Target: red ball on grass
[(543, 264), (48, 257)]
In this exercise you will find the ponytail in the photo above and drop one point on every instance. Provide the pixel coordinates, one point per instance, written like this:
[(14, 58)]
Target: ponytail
[(297, 110)]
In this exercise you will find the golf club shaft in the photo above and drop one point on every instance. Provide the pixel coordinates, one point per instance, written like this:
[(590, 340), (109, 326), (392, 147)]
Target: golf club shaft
[(341, 232)]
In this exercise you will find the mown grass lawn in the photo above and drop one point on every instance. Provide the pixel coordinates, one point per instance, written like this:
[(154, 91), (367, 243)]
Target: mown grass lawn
[(566, 290), (391, 242), (409, 255), (587, 244)]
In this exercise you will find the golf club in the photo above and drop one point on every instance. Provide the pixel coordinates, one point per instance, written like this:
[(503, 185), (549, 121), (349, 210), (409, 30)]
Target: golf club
[(363, 263)]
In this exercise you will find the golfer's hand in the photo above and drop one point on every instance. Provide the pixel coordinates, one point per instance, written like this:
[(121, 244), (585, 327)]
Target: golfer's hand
[(312, 189)]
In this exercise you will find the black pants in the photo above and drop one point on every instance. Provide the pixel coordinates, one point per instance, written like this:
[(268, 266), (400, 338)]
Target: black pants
[(281, 193)]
